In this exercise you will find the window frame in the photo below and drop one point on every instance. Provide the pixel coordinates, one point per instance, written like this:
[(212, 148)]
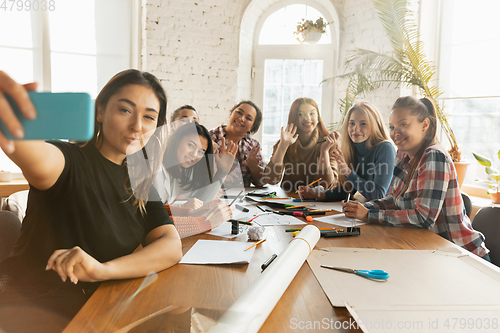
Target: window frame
[(326, 52), (42, 53)]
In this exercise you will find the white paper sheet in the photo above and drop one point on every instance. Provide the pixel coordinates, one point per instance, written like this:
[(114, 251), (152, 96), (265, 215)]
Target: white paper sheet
[(340, 219), (251, 310), (266, 219), (335, 205), (218, 252), (427, 291)]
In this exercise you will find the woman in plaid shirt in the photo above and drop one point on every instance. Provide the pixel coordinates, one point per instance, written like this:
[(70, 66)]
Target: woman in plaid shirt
[(424, 192), (244, 120)]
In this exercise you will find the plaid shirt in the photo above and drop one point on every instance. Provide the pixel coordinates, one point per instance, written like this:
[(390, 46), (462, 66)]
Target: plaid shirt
[(244, 147), (432, 201)]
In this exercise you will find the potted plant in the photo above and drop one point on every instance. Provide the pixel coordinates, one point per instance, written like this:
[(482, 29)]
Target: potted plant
[(311, 31), (494, 175), (406, 65)]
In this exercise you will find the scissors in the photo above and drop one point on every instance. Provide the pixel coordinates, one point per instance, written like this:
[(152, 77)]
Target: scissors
[(375, 274)]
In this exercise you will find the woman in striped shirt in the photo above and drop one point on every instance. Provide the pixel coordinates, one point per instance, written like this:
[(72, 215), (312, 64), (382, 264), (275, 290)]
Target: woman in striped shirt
[(424, 192)]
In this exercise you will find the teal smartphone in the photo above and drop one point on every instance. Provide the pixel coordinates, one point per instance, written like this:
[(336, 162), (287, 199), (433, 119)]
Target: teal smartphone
[(67, 116)]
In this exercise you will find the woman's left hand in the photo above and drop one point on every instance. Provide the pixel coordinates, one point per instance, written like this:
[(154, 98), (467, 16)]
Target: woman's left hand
[(224, 156), (75, 264), (342, 165), (253, 158), (331, 140), (355, 209)]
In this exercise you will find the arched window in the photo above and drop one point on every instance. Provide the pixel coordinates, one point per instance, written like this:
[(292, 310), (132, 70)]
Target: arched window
[(285, 69)]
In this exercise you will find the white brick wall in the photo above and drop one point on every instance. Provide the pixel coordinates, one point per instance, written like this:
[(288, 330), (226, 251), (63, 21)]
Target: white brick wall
[(192, 46)]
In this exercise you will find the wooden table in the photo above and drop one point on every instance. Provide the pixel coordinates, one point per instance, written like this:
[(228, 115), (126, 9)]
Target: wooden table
[(219, 286), (13, 186)]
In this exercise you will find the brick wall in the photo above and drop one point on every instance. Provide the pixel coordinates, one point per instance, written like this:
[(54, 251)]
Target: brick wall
[(192, 46)]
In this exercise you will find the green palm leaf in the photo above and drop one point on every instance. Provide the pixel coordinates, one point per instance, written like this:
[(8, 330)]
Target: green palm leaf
[(407, 65)]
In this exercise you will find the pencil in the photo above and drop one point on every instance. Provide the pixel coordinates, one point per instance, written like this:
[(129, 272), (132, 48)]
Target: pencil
[(273, 198), (294, 207), (314, 182), (255, 244), (253, 218)]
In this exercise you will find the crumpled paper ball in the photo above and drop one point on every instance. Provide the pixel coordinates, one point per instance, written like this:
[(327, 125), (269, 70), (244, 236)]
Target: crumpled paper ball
[(255, 233)]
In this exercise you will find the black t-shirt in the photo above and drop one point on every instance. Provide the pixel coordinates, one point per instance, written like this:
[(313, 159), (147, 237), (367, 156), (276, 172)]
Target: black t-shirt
[(88, 206)]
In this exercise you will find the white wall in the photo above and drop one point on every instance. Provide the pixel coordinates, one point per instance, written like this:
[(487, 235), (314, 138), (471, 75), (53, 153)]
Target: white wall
[(192, 46)]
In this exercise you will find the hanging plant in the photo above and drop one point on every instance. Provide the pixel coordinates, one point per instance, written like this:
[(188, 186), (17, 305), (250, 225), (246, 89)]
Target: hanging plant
[(311, 31)]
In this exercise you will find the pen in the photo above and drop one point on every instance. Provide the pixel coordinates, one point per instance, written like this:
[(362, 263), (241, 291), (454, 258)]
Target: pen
[(348, 196), (303, 200), (236, 198), (242, 222), (255, 244), (268, 262), (274, 198), (321, 141), (245, 210)]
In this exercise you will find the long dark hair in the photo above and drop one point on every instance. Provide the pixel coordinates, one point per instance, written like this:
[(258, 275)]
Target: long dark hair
[(198, 175), (423, 109), (117, 82), (123, 79)]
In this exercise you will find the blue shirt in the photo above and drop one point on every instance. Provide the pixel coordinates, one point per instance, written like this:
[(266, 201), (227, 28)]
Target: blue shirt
[(372, 172)]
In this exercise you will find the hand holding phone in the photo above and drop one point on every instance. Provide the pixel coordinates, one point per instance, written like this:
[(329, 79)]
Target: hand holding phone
[(9, 86)]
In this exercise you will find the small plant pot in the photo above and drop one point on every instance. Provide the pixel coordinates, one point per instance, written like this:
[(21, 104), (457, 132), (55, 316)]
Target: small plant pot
[(461, 168), (495, 197), (311, 37)]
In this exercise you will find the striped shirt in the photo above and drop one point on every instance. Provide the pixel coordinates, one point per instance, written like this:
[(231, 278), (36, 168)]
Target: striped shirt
[(244, 147), (432, 201)]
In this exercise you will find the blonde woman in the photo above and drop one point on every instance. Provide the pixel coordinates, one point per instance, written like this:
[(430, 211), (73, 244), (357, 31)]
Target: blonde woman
[(424, 192), (365, 160), (303, 153)]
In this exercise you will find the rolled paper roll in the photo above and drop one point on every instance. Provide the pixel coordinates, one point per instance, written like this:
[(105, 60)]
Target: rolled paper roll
[(251, 310)]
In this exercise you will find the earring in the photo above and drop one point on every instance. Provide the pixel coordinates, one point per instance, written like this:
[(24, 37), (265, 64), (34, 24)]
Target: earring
[(99, 127)]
